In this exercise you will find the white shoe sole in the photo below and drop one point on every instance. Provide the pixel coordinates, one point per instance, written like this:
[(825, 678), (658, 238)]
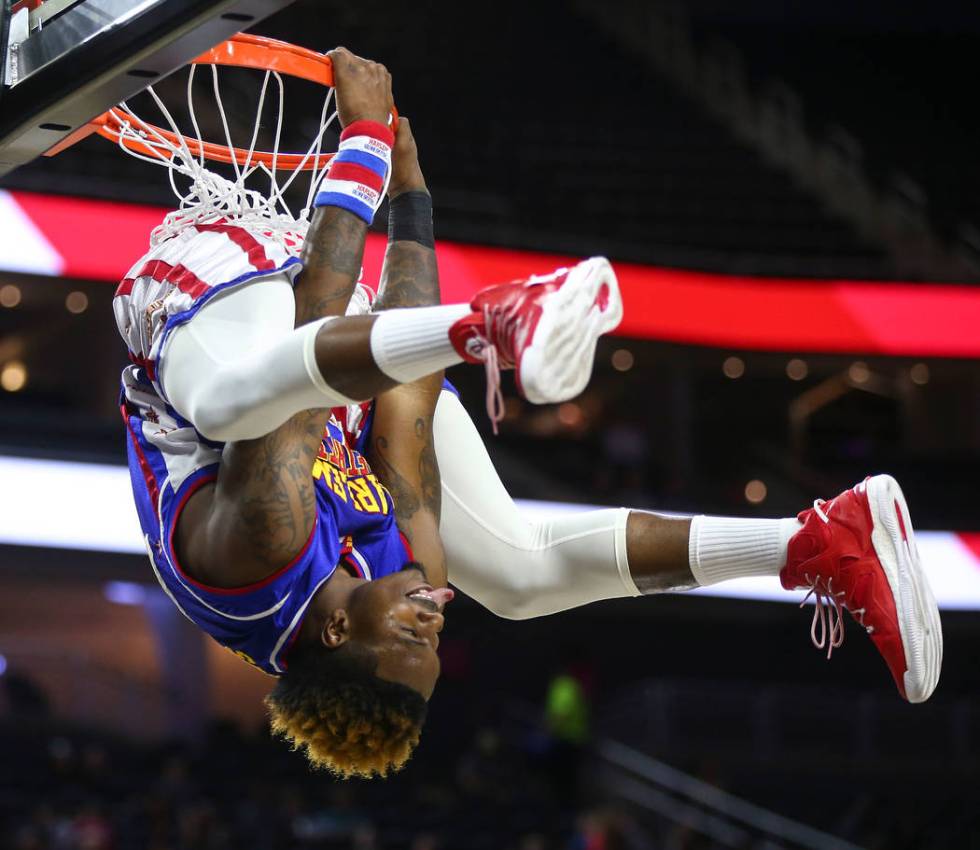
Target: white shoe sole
[(918, 614), (558, 363)]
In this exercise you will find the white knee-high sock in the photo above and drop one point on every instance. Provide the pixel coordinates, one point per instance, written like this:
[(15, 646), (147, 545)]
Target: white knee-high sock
[(723, 548), (408, 344)]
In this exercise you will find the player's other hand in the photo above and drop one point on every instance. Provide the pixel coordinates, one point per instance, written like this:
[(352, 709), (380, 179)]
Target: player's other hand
[(406, 174), (363, 88)]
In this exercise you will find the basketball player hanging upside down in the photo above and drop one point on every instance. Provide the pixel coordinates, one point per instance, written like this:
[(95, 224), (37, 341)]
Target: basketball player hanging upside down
[(312, 536)]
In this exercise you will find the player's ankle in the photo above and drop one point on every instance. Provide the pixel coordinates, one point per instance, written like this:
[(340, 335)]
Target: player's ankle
[(725, 548), (412, 343), (468, 337)]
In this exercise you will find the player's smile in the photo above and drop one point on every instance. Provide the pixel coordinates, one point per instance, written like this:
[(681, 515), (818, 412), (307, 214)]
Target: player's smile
[(424, 595), (433, 601)]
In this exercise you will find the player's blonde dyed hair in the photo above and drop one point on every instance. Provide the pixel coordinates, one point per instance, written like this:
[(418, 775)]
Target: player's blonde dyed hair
[(331, 705)]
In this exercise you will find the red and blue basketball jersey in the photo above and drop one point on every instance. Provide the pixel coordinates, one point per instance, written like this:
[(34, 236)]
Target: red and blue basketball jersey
[(169, 460)]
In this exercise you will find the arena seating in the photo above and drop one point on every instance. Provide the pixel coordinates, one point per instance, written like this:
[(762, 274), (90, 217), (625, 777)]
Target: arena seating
[(887, 775), (906, 96)]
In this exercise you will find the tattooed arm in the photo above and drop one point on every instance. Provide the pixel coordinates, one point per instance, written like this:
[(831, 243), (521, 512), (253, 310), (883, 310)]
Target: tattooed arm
[(409, 277), (330, 267), (403, 457), (402, 451)]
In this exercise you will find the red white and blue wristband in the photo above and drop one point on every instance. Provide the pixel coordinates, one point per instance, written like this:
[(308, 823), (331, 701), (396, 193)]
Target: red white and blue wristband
[(359, 172)]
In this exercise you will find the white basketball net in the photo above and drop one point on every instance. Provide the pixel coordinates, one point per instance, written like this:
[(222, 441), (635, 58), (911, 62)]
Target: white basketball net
[(211, 197)]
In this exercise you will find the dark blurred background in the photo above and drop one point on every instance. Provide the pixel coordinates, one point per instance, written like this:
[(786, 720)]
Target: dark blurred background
[(775, 139)]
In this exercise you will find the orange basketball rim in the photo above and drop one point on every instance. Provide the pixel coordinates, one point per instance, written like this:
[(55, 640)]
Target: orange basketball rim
[(240, 51)]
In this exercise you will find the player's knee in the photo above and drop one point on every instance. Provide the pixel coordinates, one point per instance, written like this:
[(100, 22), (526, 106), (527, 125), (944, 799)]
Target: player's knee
[(231, 404), (202, 395), (230, 424), (218, 413), (517, 608), (214, 424), (514, 600)]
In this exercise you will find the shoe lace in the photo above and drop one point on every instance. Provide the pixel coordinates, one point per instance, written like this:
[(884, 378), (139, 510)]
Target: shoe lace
[(482, 349), (495, 397), (818, 507), (828, 614), (498, 329)]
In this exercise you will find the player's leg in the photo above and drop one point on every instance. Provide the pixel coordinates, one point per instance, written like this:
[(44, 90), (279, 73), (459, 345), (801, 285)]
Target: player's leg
[(520, 568), (857, 551), (239, 369), (235, 382)]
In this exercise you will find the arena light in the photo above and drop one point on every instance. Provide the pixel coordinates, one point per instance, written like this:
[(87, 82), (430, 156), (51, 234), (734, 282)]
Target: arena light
[(76, 302), (919, 374), (796, 369), (124, 592), (733, 367), (94, 511), (10, 296), (67, 505), (756, 492), (859, 373), (13, 376), (622, 360)]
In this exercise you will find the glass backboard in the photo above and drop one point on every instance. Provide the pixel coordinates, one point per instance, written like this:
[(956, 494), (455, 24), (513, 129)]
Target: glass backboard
[(66, 61)]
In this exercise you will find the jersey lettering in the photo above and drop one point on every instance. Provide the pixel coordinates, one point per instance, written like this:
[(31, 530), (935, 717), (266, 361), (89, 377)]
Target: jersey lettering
[(346, 473), (363, 497)]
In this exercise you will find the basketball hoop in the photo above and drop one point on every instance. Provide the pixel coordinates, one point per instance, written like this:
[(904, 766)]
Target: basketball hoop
[(240, 51), (212, 196)]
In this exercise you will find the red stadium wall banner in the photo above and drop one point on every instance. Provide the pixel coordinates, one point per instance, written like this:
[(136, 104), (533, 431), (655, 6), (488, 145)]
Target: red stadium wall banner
[(100, 240)]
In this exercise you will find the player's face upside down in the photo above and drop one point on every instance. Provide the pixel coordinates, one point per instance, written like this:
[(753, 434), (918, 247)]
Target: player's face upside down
[(398, 618)]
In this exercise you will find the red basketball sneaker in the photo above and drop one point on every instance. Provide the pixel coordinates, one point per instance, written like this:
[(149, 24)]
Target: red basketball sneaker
[(545, 327), (858, 552)]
